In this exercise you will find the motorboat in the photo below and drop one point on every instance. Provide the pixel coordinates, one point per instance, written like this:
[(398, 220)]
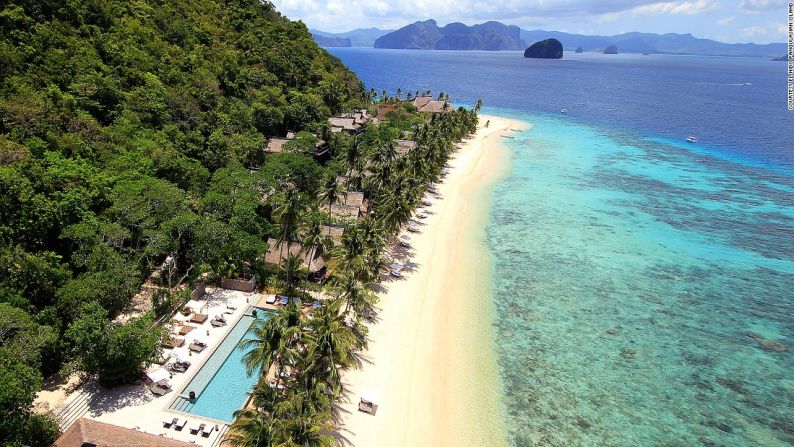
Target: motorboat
[(691, 139)]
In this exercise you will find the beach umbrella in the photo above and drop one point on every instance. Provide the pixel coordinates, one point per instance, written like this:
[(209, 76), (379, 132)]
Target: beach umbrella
[(196, 306)]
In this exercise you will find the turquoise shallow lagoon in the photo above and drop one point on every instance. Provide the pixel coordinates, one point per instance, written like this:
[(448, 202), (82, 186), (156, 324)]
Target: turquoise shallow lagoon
[(644, 293)]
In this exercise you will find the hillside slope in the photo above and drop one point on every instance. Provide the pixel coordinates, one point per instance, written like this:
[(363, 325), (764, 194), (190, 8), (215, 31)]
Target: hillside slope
[(427, 35), (125, 131)]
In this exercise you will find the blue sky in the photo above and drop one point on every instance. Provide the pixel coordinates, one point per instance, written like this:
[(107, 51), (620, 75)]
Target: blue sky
[(759, 21)]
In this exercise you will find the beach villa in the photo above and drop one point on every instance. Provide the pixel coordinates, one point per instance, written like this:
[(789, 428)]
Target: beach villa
[(429, 105)]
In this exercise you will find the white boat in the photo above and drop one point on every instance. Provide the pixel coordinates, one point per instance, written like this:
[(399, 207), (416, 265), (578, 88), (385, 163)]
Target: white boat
[(691, 139), (564, 111)]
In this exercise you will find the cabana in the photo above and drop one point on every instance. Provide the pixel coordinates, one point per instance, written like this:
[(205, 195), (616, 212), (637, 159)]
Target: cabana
[(368, 402), (199, 309), (310, 260)]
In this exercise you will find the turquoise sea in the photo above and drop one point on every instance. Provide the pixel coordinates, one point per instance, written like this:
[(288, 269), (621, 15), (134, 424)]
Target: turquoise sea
[(644, 287), (640, 290)]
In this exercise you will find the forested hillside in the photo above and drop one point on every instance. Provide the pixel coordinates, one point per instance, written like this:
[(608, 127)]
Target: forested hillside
[(126, 131)]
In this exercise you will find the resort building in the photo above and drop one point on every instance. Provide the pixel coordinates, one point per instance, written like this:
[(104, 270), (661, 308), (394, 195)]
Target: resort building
[(429, 105), (310, 259), (276, 144), (88, 432), (352, 123), (335, 232), (404, 147)]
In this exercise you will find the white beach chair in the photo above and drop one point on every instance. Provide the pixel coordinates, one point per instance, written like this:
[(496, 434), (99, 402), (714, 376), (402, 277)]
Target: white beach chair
[(180, 424), (208, 429), (197, 427)]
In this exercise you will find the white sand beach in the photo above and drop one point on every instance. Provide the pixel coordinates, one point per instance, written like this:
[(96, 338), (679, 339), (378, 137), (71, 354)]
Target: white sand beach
[(431, 360)]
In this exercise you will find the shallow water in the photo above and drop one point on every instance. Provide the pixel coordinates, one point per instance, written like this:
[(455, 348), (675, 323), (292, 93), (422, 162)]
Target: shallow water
[(635, 283)]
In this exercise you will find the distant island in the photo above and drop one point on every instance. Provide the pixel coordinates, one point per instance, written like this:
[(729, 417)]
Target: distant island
[(325, 41), (781, 58), (359, 37), (497, 36), (427, 35), (545, 49), (611, 49)]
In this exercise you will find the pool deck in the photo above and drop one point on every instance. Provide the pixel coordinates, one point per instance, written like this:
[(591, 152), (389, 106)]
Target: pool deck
[(134, 406)]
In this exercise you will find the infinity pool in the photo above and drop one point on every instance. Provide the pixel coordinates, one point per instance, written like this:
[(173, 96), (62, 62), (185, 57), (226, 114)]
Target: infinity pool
[(222, 384)]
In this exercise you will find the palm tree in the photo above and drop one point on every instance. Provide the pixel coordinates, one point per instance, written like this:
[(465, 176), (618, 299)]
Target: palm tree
[(330, 191), (251, 428), (357, 295), (288, 214), (291, 267), (331, 345), (297, 423)]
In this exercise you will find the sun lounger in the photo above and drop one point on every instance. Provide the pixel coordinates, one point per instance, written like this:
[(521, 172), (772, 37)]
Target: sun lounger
[(316, 305), (180, 424), (218, 323), (185, 329), (197, 346), (198, 318), (179, 366), (194, 429), (168, 422), (367, 407), (207, 431), (231, 306), (271, 299), (283, 300), (173, 342), (158, 390)]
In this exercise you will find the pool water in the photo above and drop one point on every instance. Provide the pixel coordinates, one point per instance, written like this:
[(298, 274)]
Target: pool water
[(222, 384)]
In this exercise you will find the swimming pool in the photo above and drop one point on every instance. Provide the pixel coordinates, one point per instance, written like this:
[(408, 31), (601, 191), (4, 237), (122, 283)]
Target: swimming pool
[(222, 384)]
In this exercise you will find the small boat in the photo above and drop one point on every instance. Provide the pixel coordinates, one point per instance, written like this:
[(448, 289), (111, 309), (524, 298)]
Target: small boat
[(748, 83), (691, 139), (564, 111)]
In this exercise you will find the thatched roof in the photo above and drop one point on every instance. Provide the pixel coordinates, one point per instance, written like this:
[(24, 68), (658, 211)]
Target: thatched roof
[(429, 105), (353, 198), (421, 101), (276, 253), (99, 434), (344, 123), (275, 144), (404, 146), (335, 232), (344, 212)]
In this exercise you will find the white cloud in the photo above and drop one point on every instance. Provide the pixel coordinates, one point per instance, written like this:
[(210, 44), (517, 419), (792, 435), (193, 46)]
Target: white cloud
[(768, 32), (762, 5), (677, 7), (725, 21)]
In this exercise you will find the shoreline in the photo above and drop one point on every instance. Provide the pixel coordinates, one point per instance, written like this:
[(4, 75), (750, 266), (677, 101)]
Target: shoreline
[(431, 360)]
